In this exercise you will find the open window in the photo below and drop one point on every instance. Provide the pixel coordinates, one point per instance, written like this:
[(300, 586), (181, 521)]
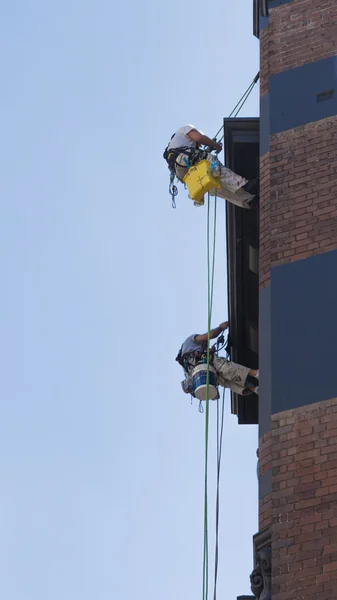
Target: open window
[(241, 140)]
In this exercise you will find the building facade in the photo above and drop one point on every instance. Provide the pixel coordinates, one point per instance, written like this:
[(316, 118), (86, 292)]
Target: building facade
[(296, 546)]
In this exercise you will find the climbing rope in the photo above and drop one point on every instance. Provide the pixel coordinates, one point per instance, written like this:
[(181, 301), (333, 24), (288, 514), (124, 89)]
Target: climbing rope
[(220, 416), (219, 431), (210, 288), (240, 104), (173, 190)]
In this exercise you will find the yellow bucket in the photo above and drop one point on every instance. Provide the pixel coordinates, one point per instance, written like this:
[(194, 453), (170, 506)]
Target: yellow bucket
[(199, 180)]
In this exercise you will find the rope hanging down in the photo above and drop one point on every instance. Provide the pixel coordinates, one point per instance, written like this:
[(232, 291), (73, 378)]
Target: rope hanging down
[(219, 431), (210, 288), (210, 285)]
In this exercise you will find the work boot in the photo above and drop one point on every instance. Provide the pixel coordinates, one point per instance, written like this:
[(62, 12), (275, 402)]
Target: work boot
[(252, 186), (254, 202)]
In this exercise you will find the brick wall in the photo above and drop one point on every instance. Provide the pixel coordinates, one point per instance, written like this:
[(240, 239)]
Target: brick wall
[(264, 61), (299, 32), (304, 503), (265, 511), (265, 465), (300, 219), (299, 204), (265, 457), (264, 252)]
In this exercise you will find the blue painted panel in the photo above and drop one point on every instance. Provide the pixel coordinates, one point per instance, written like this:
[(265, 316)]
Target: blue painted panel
[(264, 22), (264, 361), (303, 95), (264, 124), (304, 332), (274, 3), (265, 484)]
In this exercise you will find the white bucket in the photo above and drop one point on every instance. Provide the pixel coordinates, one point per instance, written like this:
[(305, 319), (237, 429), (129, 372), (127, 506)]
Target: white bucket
[(199, 381)]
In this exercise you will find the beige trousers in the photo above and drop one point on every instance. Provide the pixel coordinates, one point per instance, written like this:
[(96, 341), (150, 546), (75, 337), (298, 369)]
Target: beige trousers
[(229, 374), (231, 183)]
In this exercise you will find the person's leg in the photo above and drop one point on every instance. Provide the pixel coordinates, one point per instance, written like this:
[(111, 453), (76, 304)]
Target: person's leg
[(242, 200), (238, 389), (230, 372), (252, 380), (232, 185), (230, 180), (181, 168)]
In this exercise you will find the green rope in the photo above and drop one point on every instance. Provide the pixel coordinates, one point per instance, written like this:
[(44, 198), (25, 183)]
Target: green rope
[(240, 104), (210, 288), (219, 436)]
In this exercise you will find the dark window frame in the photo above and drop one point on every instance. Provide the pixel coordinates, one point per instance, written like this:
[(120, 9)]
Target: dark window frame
[(241, 282), (260, 9)]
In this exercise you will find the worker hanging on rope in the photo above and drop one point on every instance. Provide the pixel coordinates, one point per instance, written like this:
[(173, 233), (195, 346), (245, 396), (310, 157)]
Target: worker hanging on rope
[(184, 151), (193, 358)]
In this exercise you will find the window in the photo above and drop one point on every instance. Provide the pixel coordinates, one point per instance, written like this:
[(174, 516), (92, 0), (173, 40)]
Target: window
[(241, 137)]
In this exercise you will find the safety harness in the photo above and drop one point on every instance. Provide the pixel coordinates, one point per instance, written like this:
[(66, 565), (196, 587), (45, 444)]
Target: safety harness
[(194, 155), (199, 356)]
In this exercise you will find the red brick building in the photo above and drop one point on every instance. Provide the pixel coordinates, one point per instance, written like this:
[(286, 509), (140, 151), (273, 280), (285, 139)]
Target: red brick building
[(285, 261)]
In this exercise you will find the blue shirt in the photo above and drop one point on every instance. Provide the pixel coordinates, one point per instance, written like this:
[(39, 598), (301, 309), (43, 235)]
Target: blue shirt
[(190, 345)]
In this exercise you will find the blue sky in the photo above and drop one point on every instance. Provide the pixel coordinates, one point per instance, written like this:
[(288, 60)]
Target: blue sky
[(101, 462)]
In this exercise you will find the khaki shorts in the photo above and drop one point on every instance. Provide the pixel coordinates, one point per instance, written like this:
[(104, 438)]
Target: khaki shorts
[(229, 374)]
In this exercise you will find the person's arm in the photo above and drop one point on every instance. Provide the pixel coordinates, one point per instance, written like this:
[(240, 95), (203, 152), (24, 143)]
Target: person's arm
[(198, 137), (213, 333)]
